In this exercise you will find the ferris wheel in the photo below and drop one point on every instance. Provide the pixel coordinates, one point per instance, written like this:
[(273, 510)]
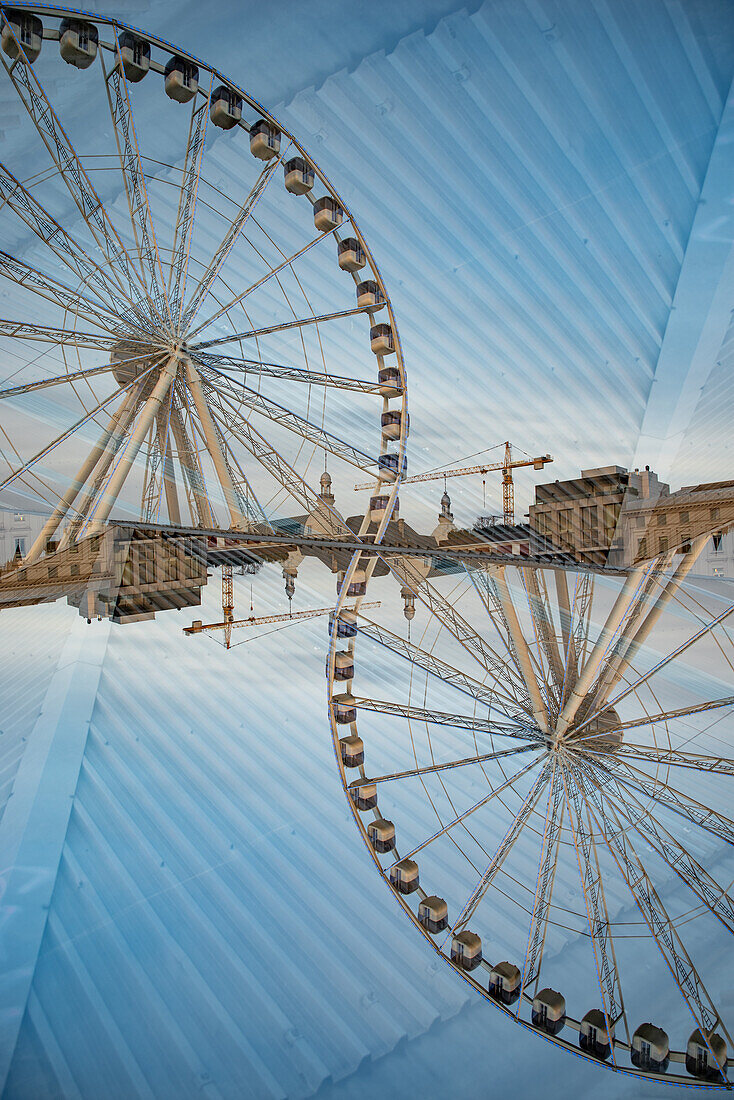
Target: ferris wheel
[(195, 325), (545, 788)]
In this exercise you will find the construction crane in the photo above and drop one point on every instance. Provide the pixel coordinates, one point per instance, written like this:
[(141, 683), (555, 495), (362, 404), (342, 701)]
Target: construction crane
[(507, 465), (228, 625)]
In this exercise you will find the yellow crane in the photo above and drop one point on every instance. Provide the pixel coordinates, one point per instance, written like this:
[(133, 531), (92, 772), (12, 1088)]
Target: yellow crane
[(507, 465), (227, 625)]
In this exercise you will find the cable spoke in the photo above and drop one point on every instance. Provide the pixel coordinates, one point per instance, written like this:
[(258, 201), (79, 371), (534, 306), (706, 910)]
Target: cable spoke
[(216, 363), (441, 718), (44, 286), (664, 716), (547, 863), (57, 380), (430, 769), (133, 176), (670, 850), (48, 335), (658, 755), (241, 394), (66, 250), (464, 633), (597, 915), (505, 845), (255, 286), (187, 203), (235, 228), (428, 662), (301, 323), (278, 468), (666, 795), (654, 914), (476, 806), (70, 167), (70, 431), (706, 629)]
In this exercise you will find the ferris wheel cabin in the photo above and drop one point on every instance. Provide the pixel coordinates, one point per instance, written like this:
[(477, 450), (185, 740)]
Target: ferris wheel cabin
[(226, 108), (702, 1061), (344, 710), (27, 29), (364, 796), (382, 834), (352, 751), (351, 255), (650, 1048), (382, 340), (327, 214), (594, 1037), (433, 913), (549, 1011), (466, 950), (78, 42), (298, 175), (369, 295), (404, 876), (181, 79), (264, 140), (504, 982), (135, 55), (343, 665)]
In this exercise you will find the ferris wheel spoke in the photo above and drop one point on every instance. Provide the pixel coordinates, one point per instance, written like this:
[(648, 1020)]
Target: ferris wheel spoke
[(48, 335), (665, 794), (567, 634), (199, 504), (65, 158), (658, 755), (460, 818), (597, 915), (235, 337), (467, 637), (505, 845), (44, 286), (428, 662), (540, 613), (537, 703), (233, 232), (486, 588), (72, 376), (661, 717), (588, 671), (237, 393), (64, 247), (123, 125), (543, 895), (255, 286), (281, 472), (21, 471), (661, 664), (186, 214), (245, 492), (654, 608), (430, 769), (663, 929), (217, 363), (669, 849), (583, 602), (442, 718)]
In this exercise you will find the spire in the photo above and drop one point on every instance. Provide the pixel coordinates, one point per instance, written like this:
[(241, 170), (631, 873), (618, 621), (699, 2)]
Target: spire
[(446, 514), (326, 493)]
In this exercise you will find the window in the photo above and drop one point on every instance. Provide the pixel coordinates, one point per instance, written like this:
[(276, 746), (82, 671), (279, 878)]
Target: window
[(642, 548), (639, 521), (716, 542), (147, 564), (589, 526), (714, 513), (662, 545), (662, 519), (684, 517), (20, 546), (565, 525)]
